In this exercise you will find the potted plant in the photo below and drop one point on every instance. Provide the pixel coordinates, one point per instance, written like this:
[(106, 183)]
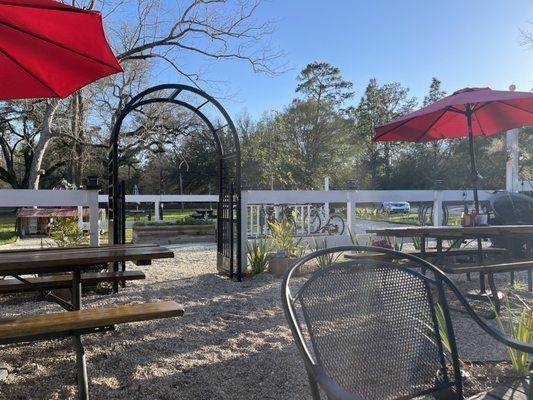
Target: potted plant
[(287, 245)]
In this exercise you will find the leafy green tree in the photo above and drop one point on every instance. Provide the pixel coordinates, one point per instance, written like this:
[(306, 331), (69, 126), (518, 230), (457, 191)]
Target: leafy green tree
[(323, 83), (379, 104)]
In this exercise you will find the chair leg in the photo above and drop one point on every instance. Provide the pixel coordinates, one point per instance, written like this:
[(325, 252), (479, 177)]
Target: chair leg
[(314, 386), (83, 385), (494, 292)]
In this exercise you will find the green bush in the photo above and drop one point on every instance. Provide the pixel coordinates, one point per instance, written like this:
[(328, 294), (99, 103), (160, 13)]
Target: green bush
[(324, 260), (284, 238), (259, 253), (519, 328), (64, 232)]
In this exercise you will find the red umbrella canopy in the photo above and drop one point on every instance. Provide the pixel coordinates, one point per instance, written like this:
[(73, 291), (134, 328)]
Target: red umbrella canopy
[(50, 49), (492, 112)]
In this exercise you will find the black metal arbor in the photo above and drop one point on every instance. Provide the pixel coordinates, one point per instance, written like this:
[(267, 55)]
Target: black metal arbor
[(229, 175)]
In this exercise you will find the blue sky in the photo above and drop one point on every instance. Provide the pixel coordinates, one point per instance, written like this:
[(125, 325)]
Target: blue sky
[(463, 43)]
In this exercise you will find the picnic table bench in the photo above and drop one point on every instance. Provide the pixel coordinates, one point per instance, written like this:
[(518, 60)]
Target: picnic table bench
[(204, 213), (433, 252), (77, 262), (478, 233)]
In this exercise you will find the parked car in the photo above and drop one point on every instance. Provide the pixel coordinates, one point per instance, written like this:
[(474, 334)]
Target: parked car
[(396, 207)]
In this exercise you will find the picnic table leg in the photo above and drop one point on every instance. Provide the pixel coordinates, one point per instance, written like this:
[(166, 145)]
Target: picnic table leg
[(439, 252), (494, 292), (482, 287), (83, 385), (529, 271), (423, 251)]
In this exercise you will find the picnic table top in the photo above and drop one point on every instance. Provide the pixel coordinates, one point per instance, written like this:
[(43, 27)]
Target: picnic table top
[(65, 258), (453, 231)]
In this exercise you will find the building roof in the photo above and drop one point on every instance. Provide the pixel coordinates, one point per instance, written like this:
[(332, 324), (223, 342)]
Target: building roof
[(62, 212)]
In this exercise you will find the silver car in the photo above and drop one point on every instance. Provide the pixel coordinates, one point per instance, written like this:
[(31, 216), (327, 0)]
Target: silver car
[(396, 207)]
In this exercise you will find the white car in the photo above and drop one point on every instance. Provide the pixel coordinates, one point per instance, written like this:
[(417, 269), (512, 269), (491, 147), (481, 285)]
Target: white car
[(396, 207)]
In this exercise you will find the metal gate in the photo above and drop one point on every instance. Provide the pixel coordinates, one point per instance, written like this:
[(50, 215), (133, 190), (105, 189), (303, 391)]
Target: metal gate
[(229, 154)]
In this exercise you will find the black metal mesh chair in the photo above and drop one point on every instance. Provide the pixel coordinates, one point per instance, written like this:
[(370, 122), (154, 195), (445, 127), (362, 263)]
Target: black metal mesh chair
[(372, 327)]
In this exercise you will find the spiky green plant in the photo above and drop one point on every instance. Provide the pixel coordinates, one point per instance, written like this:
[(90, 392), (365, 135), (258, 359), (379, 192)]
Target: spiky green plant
[(443, 328), (519, 328), (356, 240), (284, 238), (259, 253), (324, 260)]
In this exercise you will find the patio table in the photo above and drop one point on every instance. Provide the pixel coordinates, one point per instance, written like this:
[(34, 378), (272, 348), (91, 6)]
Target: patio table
[(74, 260), (441, 233)]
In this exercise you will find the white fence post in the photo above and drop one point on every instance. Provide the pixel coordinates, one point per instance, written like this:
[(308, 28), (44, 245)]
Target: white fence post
[(157, 215), (437, 208), (244, 231), (94, 214), (350, 213), (326, 204), (80, 218), (511, 168)]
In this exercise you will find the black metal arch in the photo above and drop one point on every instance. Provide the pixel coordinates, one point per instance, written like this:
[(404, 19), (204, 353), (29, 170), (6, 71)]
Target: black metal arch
[(229, 202)]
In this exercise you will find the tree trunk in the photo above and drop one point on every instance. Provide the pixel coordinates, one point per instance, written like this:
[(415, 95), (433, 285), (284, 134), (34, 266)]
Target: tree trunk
[(40, 148)]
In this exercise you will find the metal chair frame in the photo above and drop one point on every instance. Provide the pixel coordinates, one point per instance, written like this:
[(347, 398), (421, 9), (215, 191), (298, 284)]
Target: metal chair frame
[(318, 377)]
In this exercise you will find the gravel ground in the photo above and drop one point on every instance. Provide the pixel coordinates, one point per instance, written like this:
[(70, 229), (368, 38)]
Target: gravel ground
[(232, 342)]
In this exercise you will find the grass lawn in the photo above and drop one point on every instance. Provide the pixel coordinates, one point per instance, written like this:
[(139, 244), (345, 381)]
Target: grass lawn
[(7, 229), (8, 234), (405, 219)]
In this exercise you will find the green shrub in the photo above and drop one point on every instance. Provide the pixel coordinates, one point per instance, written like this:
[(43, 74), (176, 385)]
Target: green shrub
[(284, 238), (519, 328), (65, 233), (259, 252), (443, 328), (324, 260)]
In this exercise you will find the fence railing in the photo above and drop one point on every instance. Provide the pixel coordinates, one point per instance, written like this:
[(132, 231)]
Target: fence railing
[(257, 204), (157, 200), (58, 198)]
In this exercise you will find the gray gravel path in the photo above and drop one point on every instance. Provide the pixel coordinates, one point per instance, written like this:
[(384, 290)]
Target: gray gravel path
[(232, 343)]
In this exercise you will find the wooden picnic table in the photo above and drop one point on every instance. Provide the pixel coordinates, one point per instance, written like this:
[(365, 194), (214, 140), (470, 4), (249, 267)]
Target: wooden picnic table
[(74, 260), (454, 232), (478, 233), (67, 259)]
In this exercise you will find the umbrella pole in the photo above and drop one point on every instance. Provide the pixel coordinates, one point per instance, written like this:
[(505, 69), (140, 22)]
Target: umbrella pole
[(472, 157)]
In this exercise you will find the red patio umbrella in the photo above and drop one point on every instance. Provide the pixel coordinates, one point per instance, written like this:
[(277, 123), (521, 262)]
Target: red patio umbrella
[(49, 49), (467, 112)]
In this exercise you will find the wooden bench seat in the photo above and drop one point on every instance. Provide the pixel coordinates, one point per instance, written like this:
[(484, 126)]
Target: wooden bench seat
[(73, 321), (64, 281), (489, 267), (433, 253)]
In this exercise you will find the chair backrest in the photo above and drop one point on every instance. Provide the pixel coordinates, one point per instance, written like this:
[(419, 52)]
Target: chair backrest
[(372, 326)]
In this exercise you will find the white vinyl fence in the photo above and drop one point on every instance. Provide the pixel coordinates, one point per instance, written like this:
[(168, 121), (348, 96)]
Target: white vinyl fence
[(157, 200), (300, 203), (57, 198)]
